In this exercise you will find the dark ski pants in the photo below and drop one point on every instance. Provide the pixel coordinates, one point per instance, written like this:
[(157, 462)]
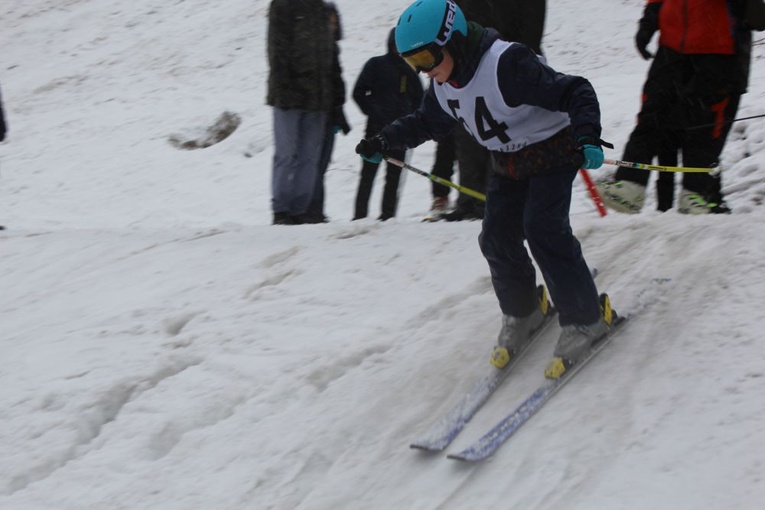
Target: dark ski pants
[(536, 210), (390, 192), (681, 93)]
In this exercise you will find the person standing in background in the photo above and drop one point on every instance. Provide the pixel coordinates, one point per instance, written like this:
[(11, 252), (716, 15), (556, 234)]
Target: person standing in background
[(749, 15), (519, 21), (3, 130), (386, 89), (336, 121), (300, 56), (690, 97)]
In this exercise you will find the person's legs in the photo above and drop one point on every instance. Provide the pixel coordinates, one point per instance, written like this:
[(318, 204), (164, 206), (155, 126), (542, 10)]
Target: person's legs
[(559, 257), (501, 240), (660, 99), (310, 135), (366, 181), (443, 166), (474, 161), (391, 191), (665, 182), (316, 207), (625, 191), (710, 106), (284, 160), (557, 251)]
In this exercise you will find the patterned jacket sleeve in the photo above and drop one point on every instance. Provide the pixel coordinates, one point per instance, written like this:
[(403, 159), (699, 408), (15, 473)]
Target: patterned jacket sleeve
[(429, 122)]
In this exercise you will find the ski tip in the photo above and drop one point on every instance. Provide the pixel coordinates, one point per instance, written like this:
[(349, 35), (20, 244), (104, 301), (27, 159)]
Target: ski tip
[(425, 448), (464, 456)]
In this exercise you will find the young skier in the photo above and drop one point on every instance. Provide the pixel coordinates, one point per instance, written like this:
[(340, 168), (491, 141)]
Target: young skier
[(540, 126)]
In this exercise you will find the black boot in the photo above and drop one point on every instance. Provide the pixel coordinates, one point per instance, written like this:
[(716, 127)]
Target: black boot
[(281, 218), (466, 211)]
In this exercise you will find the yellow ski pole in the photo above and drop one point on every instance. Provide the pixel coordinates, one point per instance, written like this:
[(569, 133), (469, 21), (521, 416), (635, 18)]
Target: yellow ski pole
[(439, 180), (659, 168)]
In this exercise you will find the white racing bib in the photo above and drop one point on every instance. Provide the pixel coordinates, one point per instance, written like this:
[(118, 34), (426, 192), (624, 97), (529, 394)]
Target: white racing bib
[(480, 108)]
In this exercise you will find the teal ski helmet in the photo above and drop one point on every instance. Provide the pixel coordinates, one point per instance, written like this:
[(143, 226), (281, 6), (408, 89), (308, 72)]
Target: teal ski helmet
[(428, 25)]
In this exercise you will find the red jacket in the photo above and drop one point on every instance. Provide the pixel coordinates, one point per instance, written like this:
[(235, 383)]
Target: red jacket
[(696, 26)]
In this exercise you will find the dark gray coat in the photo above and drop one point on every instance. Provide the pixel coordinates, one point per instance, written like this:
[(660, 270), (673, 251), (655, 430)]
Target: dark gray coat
[(300, 56), (520, 21)]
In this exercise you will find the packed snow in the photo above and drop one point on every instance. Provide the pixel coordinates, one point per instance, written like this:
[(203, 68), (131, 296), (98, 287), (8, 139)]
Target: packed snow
[(163, 346)]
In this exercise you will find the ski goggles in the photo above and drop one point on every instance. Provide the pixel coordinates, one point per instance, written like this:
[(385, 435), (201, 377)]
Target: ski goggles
[(425, 59)]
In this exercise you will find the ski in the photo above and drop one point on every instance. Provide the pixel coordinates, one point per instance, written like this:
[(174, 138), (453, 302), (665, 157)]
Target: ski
[(441, 434), (505, 428)]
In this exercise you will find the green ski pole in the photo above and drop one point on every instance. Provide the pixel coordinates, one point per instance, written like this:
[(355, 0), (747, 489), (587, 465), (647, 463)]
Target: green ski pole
[(439, 180)]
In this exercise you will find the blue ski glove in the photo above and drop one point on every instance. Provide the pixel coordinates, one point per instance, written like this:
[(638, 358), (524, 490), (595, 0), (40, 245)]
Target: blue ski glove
[(592, 153), (370, 149), (593, 156)]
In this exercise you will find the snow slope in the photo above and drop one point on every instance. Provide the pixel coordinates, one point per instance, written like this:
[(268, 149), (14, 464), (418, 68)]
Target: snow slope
[(163, 346)]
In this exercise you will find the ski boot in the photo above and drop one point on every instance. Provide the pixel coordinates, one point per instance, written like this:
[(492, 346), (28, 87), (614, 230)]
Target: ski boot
[(576, 340), (622, 196), (695, 203), (438, 208), (517, 332)]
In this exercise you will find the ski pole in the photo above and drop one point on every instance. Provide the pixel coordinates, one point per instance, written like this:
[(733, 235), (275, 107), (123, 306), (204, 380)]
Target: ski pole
[(724, 122), (439, 180), (659, 168), (480, 196), (593, 192)]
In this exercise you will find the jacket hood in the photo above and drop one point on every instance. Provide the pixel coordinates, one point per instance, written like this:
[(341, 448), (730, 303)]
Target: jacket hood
[(392, 42), (470, 51)]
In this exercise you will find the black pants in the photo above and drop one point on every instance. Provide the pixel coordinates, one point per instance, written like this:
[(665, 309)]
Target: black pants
[(390, 192), (665, 184), (443, 166), (681, 93), (474, 161)]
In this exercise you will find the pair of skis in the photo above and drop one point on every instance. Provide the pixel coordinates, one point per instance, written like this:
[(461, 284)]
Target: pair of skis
[(448, 427), (451, 424)]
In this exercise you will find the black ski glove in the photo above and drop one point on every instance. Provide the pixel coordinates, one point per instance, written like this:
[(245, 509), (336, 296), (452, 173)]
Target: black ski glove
[(370, 149), (647, 26), (339, 122)]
